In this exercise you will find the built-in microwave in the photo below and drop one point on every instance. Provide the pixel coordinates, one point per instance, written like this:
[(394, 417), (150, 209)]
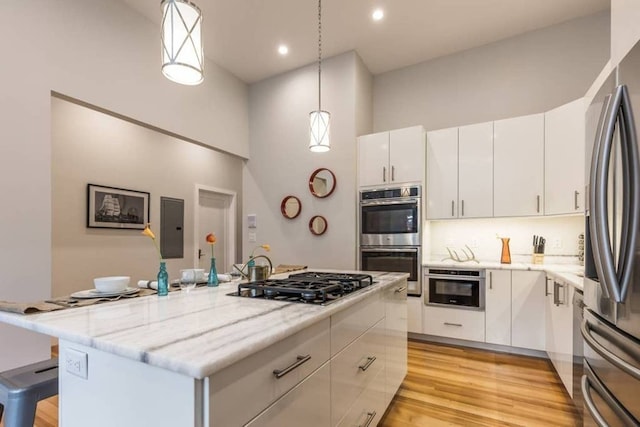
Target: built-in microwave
[(390, 217), (455, 288)]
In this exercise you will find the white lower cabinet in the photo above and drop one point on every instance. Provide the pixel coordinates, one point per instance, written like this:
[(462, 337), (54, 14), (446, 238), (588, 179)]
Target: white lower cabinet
[(453, 323), (354, 368), (559, 329), (414, 315), (309, 400), (395, 302), (528, 309), (498, 307), (369, 406)]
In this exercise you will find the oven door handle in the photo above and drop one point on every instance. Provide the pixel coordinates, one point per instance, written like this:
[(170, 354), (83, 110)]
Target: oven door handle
[(389, 250), (391, 202)]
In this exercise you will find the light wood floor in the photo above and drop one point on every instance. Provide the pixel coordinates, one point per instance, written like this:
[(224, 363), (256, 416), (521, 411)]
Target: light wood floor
[(449, 386)]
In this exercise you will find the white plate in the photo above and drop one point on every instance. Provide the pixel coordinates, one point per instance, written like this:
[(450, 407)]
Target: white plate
[(92, 293)]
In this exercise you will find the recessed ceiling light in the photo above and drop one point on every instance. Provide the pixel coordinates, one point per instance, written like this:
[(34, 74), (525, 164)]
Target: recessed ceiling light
[(283, 49), (377, 14)]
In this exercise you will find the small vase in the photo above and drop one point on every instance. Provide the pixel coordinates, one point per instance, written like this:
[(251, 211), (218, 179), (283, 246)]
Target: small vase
[(213, 274), (163, 280), (505, 258)]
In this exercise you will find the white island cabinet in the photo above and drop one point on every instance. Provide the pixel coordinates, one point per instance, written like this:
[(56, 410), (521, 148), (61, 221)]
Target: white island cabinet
[(205, 358)]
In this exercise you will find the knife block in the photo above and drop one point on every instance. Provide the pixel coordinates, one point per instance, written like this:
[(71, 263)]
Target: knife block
[(537, 258)]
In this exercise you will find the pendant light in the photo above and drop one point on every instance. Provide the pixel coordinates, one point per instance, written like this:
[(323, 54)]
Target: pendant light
[(182, 55), (319, 120)]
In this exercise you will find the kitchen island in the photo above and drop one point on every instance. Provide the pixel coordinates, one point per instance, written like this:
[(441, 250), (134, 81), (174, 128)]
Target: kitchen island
[(206, 358)]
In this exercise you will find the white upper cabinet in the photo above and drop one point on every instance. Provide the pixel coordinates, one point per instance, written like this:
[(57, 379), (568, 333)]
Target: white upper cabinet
[(442, 174), (373, 158), (393, 157), (518, 161), (406, 154), (475, 171), (564, 148)]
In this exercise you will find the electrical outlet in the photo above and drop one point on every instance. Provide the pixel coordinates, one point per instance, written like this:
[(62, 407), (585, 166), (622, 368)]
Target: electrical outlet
[(252, 237), (473, 243), (76, 362), (557, 243)]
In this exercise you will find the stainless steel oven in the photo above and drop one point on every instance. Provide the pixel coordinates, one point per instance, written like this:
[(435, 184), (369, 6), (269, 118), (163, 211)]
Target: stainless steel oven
[(396, 259), (455, 288), (390, 217)]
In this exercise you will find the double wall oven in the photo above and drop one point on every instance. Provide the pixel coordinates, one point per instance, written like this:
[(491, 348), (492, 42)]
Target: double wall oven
[(390, 235)]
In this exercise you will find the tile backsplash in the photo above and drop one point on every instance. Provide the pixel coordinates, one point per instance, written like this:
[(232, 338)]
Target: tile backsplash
[(480, 235)]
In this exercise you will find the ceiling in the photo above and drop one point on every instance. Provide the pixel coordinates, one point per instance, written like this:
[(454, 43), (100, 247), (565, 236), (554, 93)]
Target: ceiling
[(243, 35)]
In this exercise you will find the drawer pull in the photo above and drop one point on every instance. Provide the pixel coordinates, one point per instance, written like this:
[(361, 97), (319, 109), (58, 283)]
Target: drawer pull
[(370, 360), (370, 417), (279, 373), (453, 324), (397, 291)]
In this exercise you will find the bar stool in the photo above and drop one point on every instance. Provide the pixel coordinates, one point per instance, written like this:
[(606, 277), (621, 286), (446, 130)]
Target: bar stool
[(22, 388)]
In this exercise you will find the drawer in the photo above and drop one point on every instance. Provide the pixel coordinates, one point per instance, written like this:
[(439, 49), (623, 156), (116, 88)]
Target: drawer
[(309, 400), (453, 323), (349, 324), (354, 369), (369, 406), (244, 389)]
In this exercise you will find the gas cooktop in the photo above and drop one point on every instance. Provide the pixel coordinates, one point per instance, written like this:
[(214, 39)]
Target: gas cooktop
[(310, 287)]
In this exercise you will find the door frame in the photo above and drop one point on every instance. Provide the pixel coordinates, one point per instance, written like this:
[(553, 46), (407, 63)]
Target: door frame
[(230, 232)]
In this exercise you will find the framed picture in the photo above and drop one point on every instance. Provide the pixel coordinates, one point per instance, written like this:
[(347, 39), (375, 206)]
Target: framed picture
[(110, 207)]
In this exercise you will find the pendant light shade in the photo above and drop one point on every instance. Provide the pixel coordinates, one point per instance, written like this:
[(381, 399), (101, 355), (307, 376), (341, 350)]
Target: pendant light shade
[(319, 131), (182, 55), (319, 135)]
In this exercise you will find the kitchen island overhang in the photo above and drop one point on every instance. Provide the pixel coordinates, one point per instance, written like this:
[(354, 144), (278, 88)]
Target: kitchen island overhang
[(184, 338)]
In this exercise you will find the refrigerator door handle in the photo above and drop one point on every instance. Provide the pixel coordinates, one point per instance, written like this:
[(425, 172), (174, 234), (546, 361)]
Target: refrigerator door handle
[(631, 212), (600, 227), (606, 354), (591, 381), (593, 183)]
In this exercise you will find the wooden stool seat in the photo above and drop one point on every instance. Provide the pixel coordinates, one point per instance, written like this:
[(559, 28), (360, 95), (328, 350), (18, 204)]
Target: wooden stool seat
[(22, 388)]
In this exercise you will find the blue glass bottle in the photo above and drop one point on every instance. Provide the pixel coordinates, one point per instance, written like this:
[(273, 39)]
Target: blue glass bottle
[(213, 274), (163, 280)]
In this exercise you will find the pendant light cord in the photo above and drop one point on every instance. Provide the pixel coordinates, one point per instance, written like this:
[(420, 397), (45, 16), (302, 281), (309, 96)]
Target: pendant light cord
[(319, 54)]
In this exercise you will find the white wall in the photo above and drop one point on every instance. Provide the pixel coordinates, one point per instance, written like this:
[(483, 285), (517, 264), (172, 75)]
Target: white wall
[(281, 162), (93, 147), (530, 73), (625, 31), (101, 52), (480, 235)]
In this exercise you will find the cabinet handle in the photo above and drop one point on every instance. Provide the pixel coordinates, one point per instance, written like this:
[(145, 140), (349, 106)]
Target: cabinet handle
[(491, 280), (370, 417), (397, 291), (384, 174), (452, 206), (556, 293), (546, 288), (370, 360), (393, 173), (462, 206), (279, 373), (564, 294), (538, 203), (453, 324), (575, 199)]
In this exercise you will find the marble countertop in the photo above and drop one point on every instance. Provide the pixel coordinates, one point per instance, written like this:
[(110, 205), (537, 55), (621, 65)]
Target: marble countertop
[(569, 273), (196, 333)]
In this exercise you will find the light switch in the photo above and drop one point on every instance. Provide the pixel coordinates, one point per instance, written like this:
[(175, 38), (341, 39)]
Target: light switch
[(252, 221)]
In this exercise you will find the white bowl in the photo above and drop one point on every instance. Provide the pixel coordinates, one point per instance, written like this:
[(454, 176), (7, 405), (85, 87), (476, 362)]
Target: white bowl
[(111, 284)]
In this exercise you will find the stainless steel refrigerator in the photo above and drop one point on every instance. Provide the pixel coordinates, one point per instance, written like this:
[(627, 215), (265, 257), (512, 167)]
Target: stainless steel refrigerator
[(611, 325)]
